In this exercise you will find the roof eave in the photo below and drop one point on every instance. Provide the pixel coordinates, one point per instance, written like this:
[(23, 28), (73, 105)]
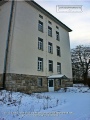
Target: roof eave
[(41, 9)]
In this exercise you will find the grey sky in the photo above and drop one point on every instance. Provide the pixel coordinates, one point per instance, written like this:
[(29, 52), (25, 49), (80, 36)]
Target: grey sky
[(79, 22)]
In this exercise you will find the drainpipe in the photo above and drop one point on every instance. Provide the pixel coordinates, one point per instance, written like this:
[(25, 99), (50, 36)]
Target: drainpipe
[(7, 45)]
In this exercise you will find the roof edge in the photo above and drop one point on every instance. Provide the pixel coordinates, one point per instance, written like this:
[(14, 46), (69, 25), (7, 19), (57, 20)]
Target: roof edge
[(37, 6)]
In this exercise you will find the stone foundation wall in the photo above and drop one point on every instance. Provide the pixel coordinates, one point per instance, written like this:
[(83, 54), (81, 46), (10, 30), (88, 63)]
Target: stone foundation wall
[(66, 83), (28, 83), (25, 83), (56, 85)]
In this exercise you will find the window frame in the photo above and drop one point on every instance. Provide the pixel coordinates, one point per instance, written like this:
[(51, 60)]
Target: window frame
[(40, 64), (49, 31), (59, 67), (40, 26), (57, 27), (50, 65), (41, 16), (59, 82), (57, 36), (39, 82), (58, 51), (50, 47), (49, 22), (40, 43)]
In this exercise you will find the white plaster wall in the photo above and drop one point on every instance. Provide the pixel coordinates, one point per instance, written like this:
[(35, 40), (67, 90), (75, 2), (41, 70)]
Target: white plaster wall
[(4, 20), (25, 40), (25, 51)]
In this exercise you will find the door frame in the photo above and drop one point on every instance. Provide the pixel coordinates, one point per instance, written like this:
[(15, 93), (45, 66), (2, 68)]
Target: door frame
[(50, 89)]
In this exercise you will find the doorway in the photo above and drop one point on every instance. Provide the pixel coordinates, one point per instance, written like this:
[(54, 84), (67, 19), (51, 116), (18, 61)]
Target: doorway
[(50, 85)]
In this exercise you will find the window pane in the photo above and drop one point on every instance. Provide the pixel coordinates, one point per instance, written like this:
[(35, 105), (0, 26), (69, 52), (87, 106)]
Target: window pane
[(58, 67), (40, 16), (50, 47), (49, 31), (50, 65), (57, 35), (40, 64), (40, 44), (58, 51), (40, 26), (39, 82)]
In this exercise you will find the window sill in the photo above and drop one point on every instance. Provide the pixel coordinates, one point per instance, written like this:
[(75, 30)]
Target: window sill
[(50, 71), (41, 31), (40, 70), (58, 55), (50, 52), (40, 49), (50, 35), (57, 39)]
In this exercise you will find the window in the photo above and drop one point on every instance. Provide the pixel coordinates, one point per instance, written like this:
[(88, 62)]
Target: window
[(57, 35), (40, 26), (49, 31), (58, 51), (57, 27), (40, 64), (41, 16), (51, 65), (59, 82), (50, 47), (58, 67), (49, 22), (40, 44), (39, 82)]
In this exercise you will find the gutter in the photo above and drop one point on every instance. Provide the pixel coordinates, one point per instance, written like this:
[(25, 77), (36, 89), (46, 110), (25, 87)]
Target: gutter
[(7, 46)]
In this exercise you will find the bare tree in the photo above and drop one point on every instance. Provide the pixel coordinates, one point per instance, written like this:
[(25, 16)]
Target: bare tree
[(80, 57)]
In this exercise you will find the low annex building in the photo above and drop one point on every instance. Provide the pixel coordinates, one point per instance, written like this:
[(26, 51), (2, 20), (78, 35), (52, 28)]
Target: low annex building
[(34, 49)]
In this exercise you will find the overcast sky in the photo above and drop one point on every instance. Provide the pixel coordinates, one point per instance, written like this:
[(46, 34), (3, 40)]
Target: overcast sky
[(78, 21)]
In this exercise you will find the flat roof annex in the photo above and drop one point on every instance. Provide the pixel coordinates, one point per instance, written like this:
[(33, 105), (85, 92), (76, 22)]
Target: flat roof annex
[(59, 76)]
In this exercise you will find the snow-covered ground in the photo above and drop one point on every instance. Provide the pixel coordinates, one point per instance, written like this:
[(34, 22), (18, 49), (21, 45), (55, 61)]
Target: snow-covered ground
[(74, 104)]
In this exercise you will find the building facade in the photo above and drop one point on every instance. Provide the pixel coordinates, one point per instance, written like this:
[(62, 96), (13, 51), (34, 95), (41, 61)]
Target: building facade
[(34, 45)]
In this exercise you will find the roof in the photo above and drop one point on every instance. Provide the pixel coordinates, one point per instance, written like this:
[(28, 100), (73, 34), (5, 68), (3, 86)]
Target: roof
[(57, 76), (41, 9)]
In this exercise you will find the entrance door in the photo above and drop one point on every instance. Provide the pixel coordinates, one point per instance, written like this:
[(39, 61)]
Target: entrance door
[(50, 85)]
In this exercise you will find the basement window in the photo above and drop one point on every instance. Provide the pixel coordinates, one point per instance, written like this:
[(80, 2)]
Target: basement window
[(39, 82)]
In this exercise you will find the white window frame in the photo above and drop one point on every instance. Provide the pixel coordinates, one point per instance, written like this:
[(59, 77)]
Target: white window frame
[(39, 82), (50, 47), (57, 35), (58, 67), (40, 44), (49, 31), (40, 64), (40, 26), (50, 62)]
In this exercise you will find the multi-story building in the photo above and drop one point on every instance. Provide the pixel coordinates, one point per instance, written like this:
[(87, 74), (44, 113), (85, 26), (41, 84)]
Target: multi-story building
[(34, 48)]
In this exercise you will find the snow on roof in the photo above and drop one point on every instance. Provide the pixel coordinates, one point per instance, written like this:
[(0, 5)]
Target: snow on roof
[(57, 76)]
